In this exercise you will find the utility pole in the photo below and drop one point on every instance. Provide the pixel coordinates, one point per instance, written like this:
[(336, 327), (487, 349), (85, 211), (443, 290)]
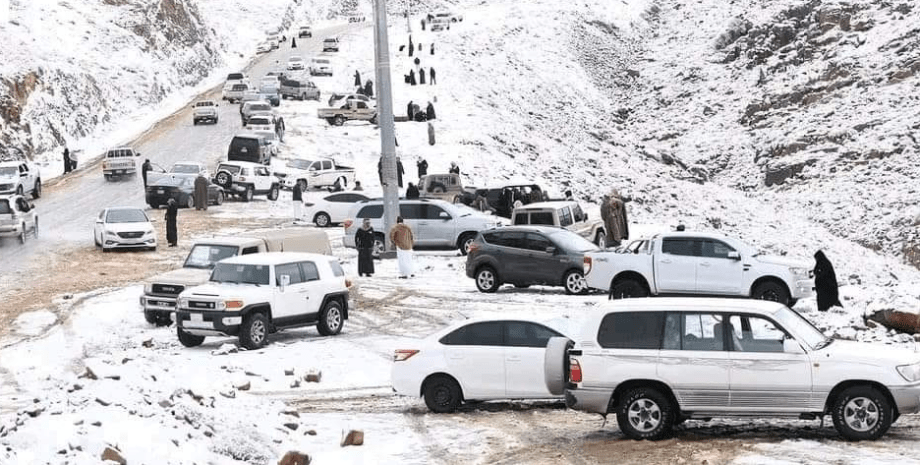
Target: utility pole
[(385, 120)]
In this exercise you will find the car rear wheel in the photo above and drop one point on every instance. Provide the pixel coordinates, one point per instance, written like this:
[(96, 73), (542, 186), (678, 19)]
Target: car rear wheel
[(220, 198), (487, 279), (254, 331), (862, 413), (338, 120), (189, 340), (601, 239), (442, 394), (37, 189), (556, 364), (190, 202), (626, 289), (466, 239), (273, 193), (330, 319), (247, 195), (772, 291), (321, 220), (645, 413), (574, 282)]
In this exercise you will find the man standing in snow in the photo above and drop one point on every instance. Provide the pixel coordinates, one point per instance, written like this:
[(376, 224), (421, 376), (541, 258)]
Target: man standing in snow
[(401, 236), (145, 168), (430, 134), (409, 111), (399, 171), (357, 78), (454, 169), (613, 212), (431, 75), (297, 202), (430, 111), (293, 42)]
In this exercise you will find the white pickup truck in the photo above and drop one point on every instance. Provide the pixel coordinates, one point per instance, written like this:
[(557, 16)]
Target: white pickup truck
[(20, 178), (696, 263), (161, 291), (119, 162), (315, 173), (251, 296)]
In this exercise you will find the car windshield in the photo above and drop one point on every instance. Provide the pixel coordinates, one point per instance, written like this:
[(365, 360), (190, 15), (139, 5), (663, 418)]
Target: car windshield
[(260, 107), (125, 216), (329, 40), (232, 76), (178, 168), (205, 256), (572, 242), (7, 171), (240, 274), (259, 121), (797, 324), (300, 164), (322, 62)]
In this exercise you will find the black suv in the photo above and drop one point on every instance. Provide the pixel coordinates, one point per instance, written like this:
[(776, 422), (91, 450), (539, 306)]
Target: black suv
[(502, 199), (251, 148), (526, 255)]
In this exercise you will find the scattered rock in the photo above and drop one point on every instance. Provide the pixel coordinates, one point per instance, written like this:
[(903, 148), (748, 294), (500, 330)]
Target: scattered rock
[(291, 426), (353, 438), (78, 422), (89, 374), (228, 394), (292, 413), (96, 423), (314, 376), (165, 403), (289, 372), (75, 447), (243, 386), (148, 343), (311, 432), (295, 458), (126, 360), (225, 349), (295, 384), (34, 411), (113, 455), (103, 403), (62, 452)]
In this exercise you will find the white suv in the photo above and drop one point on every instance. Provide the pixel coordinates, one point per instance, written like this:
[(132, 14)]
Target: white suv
[(250, 296), (17, 217), (434, 223), (20, 178), (246, 179), (658, 362)]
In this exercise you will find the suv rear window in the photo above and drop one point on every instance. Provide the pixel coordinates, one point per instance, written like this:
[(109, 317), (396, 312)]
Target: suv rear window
[(233, 76), (371, 211), (631, 330)]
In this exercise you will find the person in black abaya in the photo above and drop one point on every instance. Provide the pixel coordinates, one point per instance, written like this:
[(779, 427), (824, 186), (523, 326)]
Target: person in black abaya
[(293, 42), (825, 283), (430, 111), (357, 78), (412, 192), (172, 232), (421, 76), (364, 242), (412, 77)]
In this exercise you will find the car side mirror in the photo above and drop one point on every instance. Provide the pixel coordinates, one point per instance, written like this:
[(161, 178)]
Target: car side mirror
[(444, 216), (98, 221), (734, 255), (791, 346), (137, 154), (285, 281)]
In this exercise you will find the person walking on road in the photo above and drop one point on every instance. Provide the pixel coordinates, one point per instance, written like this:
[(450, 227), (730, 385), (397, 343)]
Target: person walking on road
[(201, 192), (401, 236), (297, 202), (145, 168), (431, 76), (172, 231), (422, 166), (68, 165), (364, 242)]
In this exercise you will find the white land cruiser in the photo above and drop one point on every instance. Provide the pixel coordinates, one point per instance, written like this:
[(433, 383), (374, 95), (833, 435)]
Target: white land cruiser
[(251, 296), (161, 291), (120, 162), (17, 217), (20, 178), (658, 362), (246, 179), (204, 110), (564, 214), (697, 263)]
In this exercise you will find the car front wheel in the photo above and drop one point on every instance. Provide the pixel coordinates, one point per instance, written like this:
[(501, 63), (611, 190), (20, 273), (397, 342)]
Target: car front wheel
[(442, 394), (331, 319), (862, 413), (772, 291), (645, 413), (254, 331), (338, 120), (574, 282), (627, 288), (487, 279), (321, 220), (247, 195), (189, 340)]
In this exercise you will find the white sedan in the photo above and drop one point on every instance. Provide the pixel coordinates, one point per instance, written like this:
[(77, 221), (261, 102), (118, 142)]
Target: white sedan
[(124, 227), (295, 63), (331, 209), (260, 123), (486, 359)]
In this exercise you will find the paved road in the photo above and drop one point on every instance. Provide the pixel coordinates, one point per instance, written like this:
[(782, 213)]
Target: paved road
[(68, 205)]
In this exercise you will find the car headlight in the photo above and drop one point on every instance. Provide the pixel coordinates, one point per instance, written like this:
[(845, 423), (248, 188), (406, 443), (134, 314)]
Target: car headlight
[(111, 233), (233, 305), (148, 288), (799, 273), (910, 372), (183, 302)]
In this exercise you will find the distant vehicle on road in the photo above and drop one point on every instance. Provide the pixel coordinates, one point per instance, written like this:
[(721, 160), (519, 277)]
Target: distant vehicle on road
[(188, 168), (320, 67), (20, 178), (295, 63), (245, 180), (123, 228), (331, 44), (300, 89), (205, 110), (264, 47), (305, 31), (236, 92), (119, 162), (180, 187), (18, 217), (249, 148)]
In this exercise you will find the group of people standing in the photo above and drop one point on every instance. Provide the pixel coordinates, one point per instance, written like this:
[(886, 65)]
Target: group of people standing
[(400, 235)]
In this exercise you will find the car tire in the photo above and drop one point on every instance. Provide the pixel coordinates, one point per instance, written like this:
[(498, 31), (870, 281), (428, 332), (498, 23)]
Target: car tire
[(247, 195), (645, 413), (22, 234), (626, 289), (254, 331), (556, 364), (771, 291), (437, 189), (330, 121), (220, 199), (380, 245), (194, 122), (223, 179), (153, 206), (273, 193), (303, 184), (442, 394), (338, 120), (188, 340), (862, 413), (331, 319), (190, 201), (464, 242), (321, 220), (574, 283), (96, 241), (487, 280), (150, 317), (37, 189), (19, 190), (600, 240)]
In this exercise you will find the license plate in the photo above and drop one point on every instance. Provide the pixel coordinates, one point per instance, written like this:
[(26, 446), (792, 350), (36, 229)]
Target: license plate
[(159, 191), (196, 317), (164, 304), (119, 171)]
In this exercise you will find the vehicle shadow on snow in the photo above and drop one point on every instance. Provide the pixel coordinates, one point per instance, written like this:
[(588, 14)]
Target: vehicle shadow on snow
[(500, 406), (696, 430)]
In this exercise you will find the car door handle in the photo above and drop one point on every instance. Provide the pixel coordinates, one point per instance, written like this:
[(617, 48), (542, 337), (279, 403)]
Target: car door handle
[(664, 261), (706, 264), (513, 358), (455, 357)]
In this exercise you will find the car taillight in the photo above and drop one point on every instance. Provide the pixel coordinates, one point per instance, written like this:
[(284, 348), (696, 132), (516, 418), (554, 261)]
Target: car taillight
[(402, 355), (474, 247), (348, 282), (347, 223), (587, 265), (574, 371), (242, 179)]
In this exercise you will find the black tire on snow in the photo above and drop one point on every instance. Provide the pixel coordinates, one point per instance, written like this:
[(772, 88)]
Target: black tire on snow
[(150, 317), (254, 331), (322, 220), (223, 179), (247, 195), (626, 289), (862, 413), (645, 413), (331, 319), (487, 279), (771, 291), (273, 193), (189, 340), (442, 394)]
